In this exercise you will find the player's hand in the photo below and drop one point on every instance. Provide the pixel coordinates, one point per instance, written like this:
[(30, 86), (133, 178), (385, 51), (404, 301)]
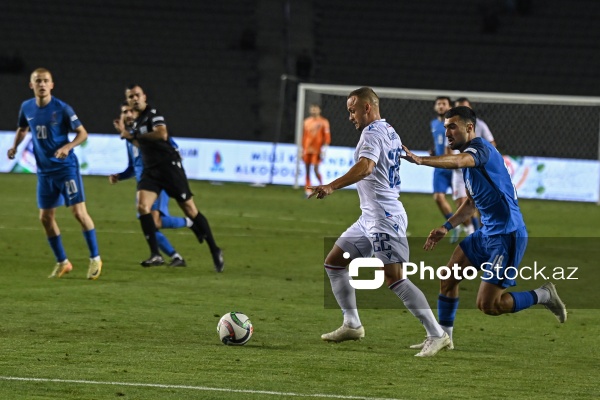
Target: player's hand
[(11, 153), (320, 191), (434, 237), (114, 178), (410, 157), (62, 153), (118, 124)]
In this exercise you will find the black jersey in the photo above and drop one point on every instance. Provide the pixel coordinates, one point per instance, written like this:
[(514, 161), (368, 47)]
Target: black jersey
[(154, 152)]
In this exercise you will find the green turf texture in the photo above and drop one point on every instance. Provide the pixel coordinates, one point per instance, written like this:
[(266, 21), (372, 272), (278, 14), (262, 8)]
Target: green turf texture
[(158, 325)]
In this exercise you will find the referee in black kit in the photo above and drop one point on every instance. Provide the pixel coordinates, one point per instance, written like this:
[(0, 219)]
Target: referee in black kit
[(162, 171)]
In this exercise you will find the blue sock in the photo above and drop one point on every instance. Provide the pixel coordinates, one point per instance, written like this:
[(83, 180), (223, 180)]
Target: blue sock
[(475, 222), (163, 244), (447, 307), (448, 215), (90, 238), (57, 248), (523, 300), (173, 222)]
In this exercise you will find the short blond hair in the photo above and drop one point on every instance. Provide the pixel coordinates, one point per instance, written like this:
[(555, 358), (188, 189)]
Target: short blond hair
[(40, 70)]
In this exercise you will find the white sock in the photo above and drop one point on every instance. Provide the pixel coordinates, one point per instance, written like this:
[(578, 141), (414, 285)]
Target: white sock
[(448, 330), (414, 299), (188, 222), (345, 295), (543, 295)]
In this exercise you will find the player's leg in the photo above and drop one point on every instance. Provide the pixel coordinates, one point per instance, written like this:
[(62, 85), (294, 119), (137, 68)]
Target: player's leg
[(163, 219), (166, 247), (63, 265), (316, 163), (48, 198), (202, 230), (352, 244), (391, 247), (145, 200), (81, 214), (442, 180), (507, 252), (73, 193), (307, 161)]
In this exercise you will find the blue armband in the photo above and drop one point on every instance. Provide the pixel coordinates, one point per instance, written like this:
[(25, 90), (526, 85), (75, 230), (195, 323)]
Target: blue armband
[(448, 225)]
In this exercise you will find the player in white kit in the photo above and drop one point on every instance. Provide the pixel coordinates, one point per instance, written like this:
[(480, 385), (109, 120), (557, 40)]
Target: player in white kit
[(381, 228)]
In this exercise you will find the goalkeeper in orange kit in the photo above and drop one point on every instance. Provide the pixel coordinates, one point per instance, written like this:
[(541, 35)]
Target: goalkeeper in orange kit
[(315, 141)]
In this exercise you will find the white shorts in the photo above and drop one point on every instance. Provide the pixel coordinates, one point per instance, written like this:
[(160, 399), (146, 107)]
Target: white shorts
[(458, 184), (384, 238)]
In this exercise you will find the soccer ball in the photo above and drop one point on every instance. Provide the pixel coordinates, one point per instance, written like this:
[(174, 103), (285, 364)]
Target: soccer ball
[(235, 329)]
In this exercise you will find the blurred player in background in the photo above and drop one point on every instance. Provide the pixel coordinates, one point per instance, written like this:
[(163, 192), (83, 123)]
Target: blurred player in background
[(160, 208), (163, 170), (381, 228), (59, 179), (315, 142), (442, 179), (498, 247)]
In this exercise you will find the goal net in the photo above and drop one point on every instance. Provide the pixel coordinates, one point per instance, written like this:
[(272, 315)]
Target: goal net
[(522, 124)]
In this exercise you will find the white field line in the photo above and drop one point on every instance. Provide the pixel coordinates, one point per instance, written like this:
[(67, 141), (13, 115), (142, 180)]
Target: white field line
[(188, 387)]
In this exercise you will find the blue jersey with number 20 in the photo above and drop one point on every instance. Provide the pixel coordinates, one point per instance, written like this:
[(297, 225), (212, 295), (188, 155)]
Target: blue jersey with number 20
[(49, 126)]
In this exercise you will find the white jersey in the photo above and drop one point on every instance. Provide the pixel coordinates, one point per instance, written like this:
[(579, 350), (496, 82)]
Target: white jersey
[(483, 131), (379, 192)]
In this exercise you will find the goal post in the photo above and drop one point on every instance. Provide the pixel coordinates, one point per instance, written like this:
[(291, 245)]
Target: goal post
[(534, 125)]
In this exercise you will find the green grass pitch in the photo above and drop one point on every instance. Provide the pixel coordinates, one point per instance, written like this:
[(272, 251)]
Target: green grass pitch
[(151, 333)]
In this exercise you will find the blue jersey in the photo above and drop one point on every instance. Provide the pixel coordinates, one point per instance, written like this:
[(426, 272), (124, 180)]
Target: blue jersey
[(135, 164), (49, 126), (490, 186), (439, 137)]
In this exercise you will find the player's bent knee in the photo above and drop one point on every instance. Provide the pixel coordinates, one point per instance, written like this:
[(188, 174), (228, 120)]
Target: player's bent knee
[(143, 209), (489, 307)]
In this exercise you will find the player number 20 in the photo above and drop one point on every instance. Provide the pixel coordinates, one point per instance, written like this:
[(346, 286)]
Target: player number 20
[(41, 132)]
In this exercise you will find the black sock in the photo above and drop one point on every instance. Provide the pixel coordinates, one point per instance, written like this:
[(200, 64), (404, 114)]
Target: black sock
[(202, 231), (149, 229)]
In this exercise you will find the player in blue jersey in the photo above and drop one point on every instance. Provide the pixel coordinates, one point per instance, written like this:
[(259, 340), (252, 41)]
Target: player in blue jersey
[(442, 178), (500, 243), (160, 208), (59, 180)]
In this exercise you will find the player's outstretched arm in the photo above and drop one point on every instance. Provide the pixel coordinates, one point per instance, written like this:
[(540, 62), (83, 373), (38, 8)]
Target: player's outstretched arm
[(449, 161), (359, 171)]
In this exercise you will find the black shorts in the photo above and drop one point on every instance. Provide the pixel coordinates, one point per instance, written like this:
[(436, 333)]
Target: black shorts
[(169, 177)]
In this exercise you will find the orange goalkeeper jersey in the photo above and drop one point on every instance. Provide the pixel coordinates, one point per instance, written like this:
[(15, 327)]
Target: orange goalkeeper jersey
[(316, 134)]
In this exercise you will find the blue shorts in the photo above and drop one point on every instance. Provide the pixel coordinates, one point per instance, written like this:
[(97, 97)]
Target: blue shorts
[(498, 256), (442, 180), (63, 188)]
